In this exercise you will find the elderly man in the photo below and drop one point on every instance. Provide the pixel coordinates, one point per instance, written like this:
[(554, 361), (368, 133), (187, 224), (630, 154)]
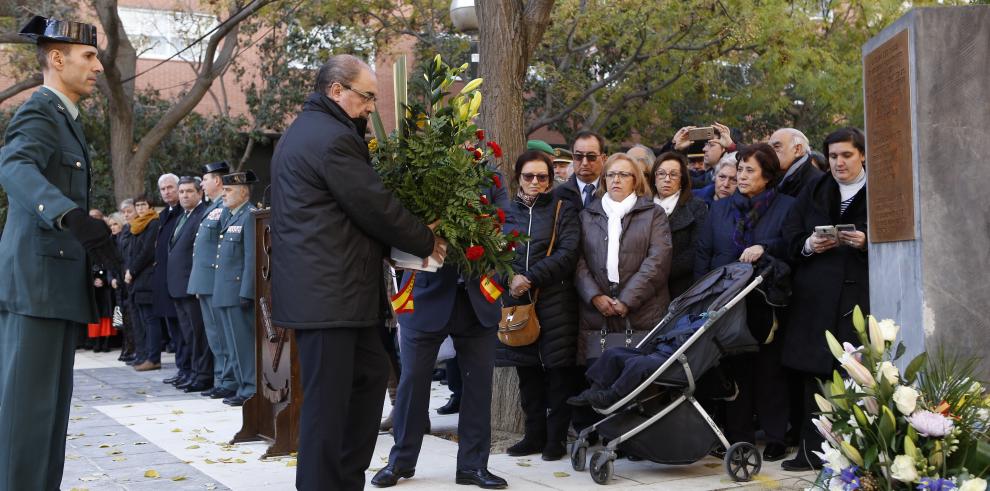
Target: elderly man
[(162, 306), (793, 152), (332, 222), (563, 165), (644, 157), (47, 292), (589, 155)]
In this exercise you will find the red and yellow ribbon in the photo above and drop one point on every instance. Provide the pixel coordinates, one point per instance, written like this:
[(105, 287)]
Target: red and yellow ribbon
[(490, 289), (402, 302)]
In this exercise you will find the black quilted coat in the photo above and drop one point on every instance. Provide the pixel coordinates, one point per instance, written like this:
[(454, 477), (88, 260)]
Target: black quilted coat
[(557, 305)]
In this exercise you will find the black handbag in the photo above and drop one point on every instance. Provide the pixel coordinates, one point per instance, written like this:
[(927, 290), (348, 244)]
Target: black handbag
[(598, 342)]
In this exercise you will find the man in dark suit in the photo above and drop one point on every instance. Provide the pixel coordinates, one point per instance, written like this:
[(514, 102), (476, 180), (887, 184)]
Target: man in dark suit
[(332, 221), (180, 262), (46, 292), (794, 154), (161, 302), (589, 159), (447, 304)]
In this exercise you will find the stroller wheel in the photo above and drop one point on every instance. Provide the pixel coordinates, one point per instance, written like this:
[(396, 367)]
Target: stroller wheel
[(579, 455), (742, 461), (602, 466)]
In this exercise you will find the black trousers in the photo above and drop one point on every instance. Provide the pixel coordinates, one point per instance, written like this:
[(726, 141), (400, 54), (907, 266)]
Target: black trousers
[(811, 440), (344, 373), (191, 325), (543, 393), (763, 391)]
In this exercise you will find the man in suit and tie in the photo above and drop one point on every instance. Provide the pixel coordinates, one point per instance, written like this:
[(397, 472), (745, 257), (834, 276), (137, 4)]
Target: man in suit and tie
[(46, 292), (201, 281), (161, 302), (447, 304), (180, 257), (233, 288), (589, 159)]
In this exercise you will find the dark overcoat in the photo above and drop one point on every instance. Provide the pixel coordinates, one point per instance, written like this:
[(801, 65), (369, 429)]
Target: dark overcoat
[(552, 275), (180, 253), (715, 245), (686, 223), (570, 192), (826, 286), (645, 254), (162, 305), (332, 223), (140, 262), (44, 168), (802, 177)]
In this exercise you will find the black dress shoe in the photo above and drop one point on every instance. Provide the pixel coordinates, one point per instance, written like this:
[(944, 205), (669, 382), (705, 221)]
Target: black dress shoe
[(481, 478), (718, 452), (388, 476), (599, 398), (554, 451), (453, 406), (173, 379), (221, 393), (198, 387), (800, 464), (774, 452), (185, 384), (234, 401), (525, 446)]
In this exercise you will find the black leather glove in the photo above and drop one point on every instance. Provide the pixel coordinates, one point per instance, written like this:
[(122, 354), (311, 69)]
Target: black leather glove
[(246, 303), (95, 237)]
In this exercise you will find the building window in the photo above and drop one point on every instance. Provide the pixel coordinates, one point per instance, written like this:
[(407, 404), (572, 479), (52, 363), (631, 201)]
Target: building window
[(160, 34)]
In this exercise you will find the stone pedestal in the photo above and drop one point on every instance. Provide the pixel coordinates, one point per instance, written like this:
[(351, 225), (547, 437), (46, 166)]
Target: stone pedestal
[(927, 105)]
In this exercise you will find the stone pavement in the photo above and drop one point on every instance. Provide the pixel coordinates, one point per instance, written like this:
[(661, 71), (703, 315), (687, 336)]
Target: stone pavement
[(129, 431)]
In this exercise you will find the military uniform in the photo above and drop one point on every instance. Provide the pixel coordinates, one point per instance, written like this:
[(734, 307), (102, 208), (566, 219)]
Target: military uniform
[(45, 290), (201, 282), (233, 294)]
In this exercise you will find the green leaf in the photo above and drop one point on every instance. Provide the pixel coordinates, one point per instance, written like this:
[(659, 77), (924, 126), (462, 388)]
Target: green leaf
[(914, 367), (899, 352)]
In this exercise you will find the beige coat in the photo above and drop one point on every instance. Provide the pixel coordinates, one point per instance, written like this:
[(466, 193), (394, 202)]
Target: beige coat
[(645, 254)]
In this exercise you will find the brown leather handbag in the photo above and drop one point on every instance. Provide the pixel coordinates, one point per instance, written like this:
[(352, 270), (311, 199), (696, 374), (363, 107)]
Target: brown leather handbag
[(519, 325)]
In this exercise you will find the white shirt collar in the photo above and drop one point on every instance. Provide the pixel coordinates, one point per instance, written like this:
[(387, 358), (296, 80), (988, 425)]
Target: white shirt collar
[(71, 106), (581, 185)]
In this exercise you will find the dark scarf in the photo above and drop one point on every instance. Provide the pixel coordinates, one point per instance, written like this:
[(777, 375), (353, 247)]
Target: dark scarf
[(746, 213), (526, 200)]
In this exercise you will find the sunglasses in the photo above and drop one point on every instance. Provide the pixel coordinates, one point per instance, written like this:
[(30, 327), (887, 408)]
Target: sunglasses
[(528, 177)]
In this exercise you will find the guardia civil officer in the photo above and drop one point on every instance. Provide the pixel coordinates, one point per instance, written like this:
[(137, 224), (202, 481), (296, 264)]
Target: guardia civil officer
[(233, 286), (201, 281), (46, 290)]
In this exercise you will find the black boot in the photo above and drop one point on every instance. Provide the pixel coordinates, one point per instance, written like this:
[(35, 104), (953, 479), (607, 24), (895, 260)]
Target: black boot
[(595, 398), (527, 446)]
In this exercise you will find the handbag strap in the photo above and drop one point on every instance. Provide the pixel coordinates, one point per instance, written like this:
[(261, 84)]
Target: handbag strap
[(553, 239)]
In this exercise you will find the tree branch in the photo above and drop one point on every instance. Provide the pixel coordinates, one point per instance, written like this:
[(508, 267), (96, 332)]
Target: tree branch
[(13, 38), (21, 86)]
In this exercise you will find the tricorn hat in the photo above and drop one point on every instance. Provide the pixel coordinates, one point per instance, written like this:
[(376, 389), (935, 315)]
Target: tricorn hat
[(40, 29), (240, 178), (222, 167)]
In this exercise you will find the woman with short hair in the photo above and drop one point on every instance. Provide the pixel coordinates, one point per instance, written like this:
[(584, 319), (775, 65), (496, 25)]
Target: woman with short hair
[(685, 214)]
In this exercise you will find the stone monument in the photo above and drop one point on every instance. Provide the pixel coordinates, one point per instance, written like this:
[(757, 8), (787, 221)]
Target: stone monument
[(926, 81)]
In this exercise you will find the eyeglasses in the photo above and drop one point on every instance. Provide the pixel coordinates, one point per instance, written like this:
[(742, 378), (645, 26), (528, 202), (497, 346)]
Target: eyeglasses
[(367, 96), (661, 175), (613, 175), (528, 177), (592, 157)]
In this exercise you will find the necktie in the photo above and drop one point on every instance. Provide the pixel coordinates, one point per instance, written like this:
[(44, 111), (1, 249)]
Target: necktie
[(182, 220), (589, 194)]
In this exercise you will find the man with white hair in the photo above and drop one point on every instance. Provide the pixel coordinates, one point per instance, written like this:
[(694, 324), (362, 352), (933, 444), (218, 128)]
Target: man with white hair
[(793, 151)]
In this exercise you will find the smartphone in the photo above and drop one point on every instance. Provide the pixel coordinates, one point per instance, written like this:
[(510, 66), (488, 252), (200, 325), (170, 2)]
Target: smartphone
[(704, 133), (848, 227), (827, 231)]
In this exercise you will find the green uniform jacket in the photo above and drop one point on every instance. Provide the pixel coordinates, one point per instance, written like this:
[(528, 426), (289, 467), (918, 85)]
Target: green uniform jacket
[(204, 262), (235, 259), (44, 168)]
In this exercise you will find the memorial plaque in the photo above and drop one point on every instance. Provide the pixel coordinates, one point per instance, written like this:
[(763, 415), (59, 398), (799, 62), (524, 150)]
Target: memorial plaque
[(890, 187)]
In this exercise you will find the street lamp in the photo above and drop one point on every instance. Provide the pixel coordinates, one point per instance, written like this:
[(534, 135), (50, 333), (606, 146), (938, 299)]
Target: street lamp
[(464, 16)]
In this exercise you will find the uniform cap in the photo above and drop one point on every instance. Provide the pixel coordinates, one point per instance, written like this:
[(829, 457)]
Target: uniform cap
[(240, 178), (40, 29), (222, 167)]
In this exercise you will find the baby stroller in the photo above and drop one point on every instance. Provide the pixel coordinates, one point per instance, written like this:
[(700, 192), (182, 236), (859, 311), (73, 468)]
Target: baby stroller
[(661, 420)]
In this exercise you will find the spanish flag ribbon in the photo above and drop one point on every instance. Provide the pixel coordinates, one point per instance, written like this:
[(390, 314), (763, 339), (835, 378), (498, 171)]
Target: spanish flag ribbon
[(402, 302), (490, 289)]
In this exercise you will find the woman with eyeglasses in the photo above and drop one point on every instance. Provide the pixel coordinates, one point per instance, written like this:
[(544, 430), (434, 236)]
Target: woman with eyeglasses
[(545, 368), (626, 257), (744, 228), (685, 214)]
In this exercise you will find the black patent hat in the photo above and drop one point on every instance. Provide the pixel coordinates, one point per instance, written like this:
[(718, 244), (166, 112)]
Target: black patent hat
[(40, 29), (221, 167), (240, 178)]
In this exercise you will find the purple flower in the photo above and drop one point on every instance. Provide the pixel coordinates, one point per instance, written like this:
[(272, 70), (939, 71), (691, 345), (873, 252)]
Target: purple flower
[(930, 424), (850, 482), (936, 484)]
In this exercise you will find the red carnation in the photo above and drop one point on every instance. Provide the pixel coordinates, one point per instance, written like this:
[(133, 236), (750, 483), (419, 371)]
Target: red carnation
[(474, 252), (501, 215), (515, 233), (480, 134), (469, 149), (497, 181), (484, 199), (477, 154), (497, 150)]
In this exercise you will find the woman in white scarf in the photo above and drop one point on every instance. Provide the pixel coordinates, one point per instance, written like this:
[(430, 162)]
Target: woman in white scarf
[(626, 256)]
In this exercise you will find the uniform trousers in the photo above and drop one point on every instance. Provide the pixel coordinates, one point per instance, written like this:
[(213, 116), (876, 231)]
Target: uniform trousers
[(36, 358), (238, 330), (344, 374), (475, 346), (223, 368), (194, 338)]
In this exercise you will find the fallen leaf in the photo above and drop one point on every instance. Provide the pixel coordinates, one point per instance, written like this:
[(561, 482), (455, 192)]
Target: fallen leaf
[(79, 489), (104, 445), (128, 405), (140, 443), (192, 447), (114, 452), (176, 430), (109, 434), (152, 474), (240, 461), (119, 459), (179, 478), (211, 486), (561, 474), (141, 391), (176, 411), (199, 439), (208, 461), (291, 463), (524, 464)]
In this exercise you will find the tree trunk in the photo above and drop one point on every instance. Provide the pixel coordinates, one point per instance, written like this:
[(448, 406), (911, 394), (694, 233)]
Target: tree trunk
[(510, 32)]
